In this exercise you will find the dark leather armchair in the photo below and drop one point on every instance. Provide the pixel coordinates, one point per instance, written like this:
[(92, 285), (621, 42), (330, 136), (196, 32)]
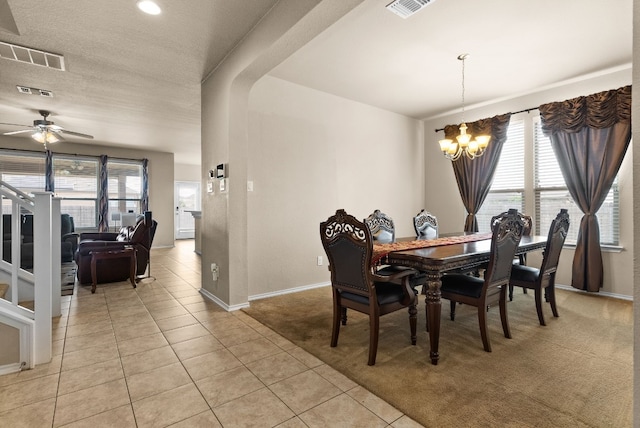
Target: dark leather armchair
[(140, 237), (545, 277), (483, 293), (68, 244), (348, 244)]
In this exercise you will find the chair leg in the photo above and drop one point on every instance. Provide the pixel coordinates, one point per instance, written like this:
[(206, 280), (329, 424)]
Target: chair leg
[(413, 321), (510, 292), (452, 313), (344, 316), (335, 331), (482, 320), (504, 316), (551, 293), (426, 312), (538, 296), (374, 326)]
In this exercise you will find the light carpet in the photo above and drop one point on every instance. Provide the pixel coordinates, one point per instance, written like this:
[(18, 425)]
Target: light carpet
[(574, 372)]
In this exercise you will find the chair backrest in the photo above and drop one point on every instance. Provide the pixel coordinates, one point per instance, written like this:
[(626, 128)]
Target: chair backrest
[(425, 225), (381, 227), (555, 241), (348, 244), (66, 224), (506, 231), (528, 225)]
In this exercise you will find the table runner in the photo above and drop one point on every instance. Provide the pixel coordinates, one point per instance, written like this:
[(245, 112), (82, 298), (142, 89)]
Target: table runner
[(381, 251)]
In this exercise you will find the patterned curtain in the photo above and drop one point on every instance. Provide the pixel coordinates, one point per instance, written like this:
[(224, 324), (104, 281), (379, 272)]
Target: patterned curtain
[(103, 194), (48, 172), (144, 203), (474, 176), (589, 136)]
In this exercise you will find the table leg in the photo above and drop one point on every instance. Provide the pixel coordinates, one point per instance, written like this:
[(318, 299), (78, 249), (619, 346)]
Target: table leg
[(433, 309), (93, 273)]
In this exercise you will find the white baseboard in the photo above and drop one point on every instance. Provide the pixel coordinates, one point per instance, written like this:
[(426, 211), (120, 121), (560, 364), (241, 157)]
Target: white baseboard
[(231, 308), (288, 291), (10, 368), (223, 305), (601, 293)]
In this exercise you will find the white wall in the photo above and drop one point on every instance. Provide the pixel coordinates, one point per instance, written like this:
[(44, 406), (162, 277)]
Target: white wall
[(160, 176), (311, 153), (444, 198)]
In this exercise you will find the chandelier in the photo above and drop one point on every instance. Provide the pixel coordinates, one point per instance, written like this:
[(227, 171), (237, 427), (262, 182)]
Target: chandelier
[(464, 144)]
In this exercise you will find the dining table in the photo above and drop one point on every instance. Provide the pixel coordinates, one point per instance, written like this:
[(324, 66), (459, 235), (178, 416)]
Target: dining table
[(434, 257)]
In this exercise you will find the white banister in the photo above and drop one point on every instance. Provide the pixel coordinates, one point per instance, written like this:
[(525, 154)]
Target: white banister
[(43, 261)]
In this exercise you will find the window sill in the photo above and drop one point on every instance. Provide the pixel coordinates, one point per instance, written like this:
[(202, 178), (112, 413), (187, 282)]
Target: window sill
[(606, 248)]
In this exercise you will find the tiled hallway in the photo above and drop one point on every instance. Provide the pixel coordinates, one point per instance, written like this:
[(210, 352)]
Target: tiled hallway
[(162, 355)]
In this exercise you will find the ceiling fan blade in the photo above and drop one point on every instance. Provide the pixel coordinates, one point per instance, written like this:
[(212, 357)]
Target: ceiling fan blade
[(22, 131), (15, 124), (77, 134)]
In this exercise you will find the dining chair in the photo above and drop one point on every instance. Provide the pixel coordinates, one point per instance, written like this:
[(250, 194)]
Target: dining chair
[(425, 225), (544, 278), (383, 232), (348, 245), (486, 292), (381, 227)]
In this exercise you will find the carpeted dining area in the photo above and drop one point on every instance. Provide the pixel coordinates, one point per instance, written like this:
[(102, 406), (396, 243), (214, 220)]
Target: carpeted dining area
[(575, 372)]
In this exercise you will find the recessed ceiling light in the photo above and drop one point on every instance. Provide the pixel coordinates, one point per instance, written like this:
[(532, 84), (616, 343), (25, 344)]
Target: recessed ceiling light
[(150, 7)]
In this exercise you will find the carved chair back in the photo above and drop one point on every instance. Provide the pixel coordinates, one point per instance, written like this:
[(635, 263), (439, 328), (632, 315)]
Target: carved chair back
[(425, 225), (381, 227), (506, 234), (348, 244)]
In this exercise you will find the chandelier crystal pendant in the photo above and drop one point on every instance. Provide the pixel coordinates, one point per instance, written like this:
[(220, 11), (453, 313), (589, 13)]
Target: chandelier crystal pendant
[(464, 144)]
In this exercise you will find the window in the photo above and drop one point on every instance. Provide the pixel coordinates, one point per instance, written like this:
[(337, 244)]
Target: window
[(22, 171), (543, 192), (551, 194), (76, 182), (507, 189), (125, 188)]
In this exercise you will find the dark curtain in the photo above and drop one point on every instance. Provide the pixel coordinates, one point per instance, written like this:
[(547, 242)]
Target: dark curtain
[(474, 176), (103, 220), (144, 203), (48, 172), (589, 136)]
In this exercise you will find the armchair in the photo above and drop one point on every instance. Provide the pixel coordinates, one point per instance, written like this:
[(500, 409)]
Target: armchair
[(348, 244), (140, 237), (68, 244)]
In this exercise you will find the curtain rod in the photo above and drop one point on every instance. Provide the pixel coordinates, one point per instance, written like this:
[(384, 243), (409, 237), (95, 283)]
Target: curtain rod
[(527, 110)]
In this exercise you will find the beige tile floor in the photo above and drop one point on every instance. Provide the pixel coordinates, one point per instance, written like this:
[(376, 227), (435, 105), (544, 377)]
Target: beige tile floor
[(162, 355)]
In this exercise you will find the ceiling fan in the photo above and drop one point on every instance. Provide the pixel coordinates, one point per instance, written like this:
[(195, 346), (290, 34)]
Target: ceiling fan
[(45, 131)]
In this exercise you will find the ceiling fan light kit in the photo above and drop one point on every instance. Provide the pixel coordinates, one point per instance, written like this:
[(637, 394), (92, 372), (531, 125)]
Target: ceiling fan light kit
[(45, 131)]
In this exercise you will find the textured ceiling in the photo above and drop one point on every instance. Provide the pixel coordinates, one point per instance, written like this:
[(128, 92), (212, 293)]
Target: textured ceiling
[(133, 80)]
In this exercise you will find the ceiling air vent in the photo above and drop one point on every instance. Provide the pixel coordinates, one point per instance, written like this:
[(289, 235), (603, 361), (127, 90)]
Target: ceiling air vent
[(33, 91), (31, 56), (406, 8), (24, 90)]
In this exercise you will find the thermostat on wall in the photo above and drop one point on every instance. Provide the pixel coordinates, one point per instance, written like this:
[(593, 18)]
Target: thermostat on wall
[(220, 171)]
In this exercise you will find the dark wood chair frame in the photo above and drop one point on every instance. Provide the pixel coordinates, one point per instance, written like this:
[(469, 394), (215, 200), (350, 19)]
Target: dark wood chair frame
[(348, 245), (544, 279), (426, 225), (492, 290), (381, 226)]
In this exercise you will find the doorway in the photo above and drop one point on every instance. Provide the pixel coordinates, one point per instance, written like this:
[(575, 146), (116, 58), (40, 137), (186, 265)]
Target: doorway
[(187, 199)]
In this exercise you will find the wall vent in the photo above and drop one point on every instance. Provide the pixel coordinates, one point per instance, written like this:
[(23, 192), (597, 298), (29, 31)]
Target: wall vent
[(31, 56), (406, 8)]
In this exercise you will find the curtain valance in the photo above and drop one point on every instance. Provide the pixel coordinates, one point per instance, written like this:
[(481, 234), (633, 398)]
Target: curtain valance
[(597, 111)]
